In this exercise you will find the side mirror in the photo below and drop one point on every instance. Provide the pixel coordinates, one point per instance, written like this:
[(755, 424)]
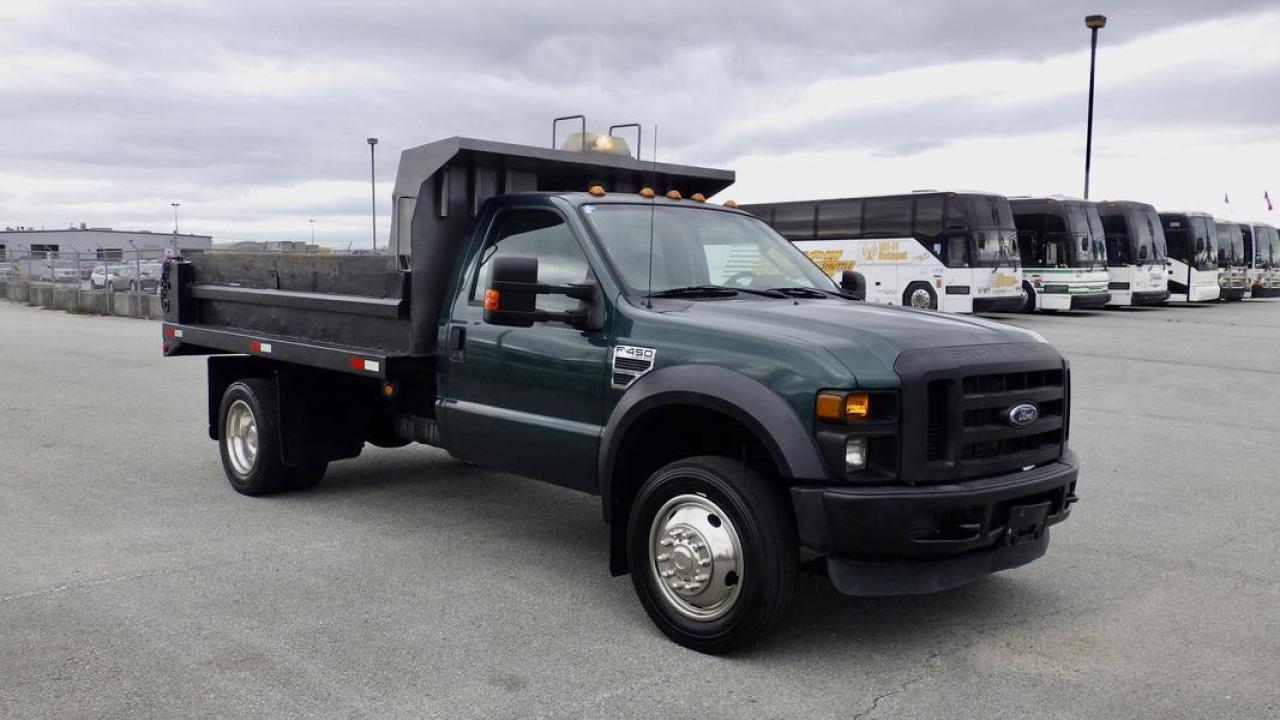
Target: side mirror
[(853, 283), (511, 297), (1142, 253)]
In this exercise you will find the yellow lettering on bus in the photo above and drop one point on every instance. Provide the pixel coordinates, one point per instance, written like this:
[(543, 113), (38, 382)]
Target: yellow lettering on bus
[(1002, 281), (831, 261)]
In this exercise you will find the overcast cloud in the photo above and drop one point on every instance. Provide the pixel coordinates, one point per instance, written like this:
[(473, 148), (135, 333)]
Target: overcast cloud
[(253, 115)]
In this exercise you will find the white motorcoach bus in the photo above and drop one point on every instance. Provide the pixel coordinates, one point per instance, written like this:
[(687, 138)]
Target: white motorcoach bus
[(1233, 275), (1193, 256), (1262, 251), (1137, 269), (949, 251), (1064, 254)]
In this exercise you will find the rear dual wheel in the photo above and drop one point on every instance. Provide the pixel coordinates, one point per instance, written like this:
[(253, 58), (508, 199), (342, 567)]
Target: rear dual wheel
[(249, 441), (713, 551)]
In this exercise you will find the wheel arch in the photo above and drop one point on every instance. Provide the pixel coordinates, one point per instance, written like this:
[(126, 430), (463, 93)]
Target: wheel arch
[(723, 406)]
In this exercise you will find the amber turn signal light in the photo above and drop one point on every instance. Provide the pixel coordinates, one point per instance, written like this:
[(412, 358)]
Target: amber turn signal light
[(490, 299), (841, 407)]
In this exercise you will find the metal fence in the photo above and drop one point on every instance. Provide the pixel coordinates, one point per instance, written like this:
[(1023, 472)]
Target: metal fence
[(115, 271)]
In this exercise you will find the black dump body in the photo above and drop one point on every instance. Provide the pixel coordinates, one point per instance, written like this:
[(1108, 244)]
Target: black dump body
[(354, 300), (330, 310)]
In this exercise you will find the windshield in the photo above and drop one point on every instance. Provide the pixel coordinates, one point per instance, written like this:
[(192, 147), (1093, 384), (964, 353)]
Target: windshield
[(1204, 243), (695, 246), (1088, 245), (1230, 245), (993, 236), (1146, 238), (1267, 246)]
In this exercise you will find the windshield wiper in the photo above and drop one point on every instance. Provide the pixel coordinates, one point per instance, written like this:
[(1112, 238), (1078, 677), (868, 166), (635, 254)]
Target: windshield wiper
[(807, 292), (695, 291)]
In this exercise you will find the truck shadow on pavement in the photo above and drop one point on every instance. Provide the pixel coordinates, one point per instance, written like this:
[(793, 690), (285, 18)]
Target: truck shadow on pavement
[(428, 494)]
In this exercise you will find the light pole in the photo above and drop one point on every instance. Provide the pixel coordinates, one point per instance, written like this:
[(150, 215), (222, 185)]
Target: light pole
[(373, 193), (313, 230), (1094, 23), (175, 228)]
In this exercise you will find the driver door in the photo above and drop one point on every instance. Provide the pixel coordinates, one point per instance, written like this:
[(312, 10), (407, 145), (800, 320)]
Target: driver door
[(529, 400)]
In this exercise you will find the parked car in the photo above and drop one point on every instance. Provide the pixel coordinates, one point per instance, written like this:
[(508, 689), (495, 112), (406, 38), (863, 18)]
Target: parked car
[(106, 277), (140, 278)]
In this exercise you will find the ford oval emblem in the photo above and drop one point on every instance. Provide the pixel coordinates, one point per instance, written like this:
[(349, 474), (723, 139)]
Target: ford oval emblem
[(1023, 414)]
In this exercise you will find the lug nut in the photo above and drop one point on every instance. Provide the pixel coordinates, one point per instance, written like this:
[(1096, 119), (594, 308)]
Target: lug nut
[(665, 542), (668, 573), (664, 557)]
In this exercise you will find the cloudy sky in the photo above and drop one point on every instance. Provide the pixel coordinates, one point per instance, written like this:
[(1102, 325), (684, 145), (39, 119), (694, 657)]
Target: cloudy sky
[(254, 115)]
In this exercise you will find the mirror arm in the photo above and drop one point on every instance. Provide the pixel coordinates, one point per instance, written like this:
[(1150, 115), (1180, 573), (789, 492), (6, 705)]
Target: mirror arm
[(577, 291)]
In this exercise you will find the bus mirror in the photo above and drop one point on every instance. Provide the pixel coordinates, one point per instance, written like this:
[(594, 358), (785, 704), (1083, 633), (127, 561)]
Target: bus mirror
[(853, 283), (1142, 253)]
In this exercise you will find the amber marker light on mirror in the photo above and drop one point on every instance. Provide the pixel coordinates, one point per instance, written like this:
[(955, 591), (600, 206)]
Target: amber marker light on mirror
[(490, 299)]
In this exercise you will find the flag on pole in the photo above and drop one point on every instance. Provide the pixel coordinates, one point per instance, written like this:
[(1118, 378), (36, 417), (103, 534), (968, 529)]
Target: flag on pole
[(1226, 198), (1267, 197)]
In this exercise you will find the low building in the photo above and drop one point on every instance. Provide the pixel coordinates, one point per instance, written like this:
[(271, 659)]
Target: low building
[(101, 243)]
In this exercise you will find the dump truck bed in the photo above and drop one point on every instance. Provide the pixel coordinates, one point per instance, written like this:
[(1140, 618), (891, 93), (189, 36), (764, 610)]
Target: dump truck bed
[(341, 312)]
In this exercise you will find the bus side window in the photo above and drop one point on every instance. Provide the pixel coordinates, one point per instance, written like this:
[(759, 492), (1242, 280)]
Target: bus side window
[(928, 218)]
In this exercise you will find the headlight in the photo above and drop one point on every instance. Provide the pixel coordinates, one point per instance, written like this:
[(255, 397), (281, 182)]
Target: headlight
[(855, 455)]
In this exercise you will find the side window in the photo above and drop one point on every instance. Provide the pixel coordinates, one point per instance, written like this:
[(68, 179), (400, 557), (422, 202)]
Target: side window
[(888, 217), (928, 217), (540, 234), (794, 221), (841, 219)]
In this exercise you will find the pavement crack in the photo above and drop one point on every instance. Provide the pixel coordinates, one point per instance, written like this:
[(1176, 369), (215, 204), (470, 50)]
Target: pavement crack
[(875, 702)]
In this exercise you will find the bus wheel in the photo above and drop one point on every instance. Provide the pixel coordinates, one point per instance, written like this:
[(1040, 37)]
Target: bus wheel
[(1028, 298), (920, 296)]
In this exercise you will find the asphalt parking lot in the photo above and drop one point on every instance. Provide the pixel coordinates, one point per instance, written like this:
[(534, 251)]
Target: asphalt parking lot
[(135, 583)]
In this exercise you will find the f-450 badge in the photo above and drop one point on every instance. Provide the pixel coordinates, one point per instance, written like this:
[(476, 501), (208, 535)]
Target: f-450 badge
[(630, 362)]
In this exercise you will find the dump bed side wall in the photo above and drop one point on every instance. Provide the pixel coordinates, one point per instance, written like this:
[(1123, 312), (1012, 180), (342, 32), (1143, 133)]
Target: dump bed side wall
[(350, 300)]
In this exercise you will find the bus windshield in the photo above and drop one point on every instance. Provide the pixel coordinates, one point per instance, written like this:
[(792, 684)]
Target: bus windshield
[(1267, 246), (1230, 245), (1146, 238), (694, 247), (993, 234), (1204, 243)]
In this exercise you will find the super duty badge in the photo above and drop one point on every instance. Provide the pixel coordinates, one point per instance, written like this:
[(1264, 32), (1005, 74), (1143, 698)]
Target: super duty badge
[(629, 363)]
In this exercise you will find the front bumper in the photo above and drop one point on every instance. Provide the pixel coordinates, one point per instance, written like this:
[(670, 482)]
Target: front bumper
[(902, 539), (1085, 301), (1150, 297), (1000, 303)]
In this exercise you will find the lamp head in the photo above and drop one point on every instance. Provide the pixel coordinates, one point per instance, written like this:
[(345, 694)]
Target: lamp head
[(1095, 22), (373, 141)]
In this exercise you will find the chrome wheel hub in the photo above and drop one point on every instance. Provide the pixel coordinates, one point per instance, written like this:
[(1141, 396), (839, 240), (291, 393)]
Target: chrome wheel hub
[(695, 557), (241, 437), (920, 299)]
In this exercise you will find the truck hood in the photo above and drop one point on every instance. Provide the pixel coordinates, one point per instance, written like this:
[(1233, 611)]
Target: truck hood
[(865, 337)]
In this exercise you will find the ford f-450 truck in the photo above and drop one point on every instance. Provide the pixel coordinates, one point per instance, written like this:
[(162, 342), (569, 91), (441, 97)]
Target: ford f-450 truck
[(589, 320)]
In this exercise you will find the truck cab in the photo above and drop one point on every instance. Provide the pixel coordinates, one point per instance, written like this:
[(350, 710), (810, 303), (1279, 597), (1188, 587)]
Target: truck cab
[(592, 321)]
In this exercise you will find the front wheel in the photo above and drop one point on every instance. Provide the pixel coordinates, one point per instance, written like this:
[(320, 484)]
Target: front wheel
[(1028, 298), (920, 296), (713, 552)]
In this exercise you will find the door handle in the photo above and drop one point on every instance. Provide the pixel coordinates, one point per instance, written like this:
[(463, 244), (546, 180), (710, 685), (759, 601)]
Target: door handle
[(457, 343)]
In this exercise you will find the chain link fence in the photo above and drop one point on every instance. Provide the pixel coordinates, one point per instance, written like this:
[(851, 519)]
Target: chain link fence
[(128, 271)]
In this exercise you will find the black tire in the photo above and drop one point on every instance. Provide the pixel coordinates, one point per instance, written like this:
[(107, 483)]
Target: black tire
[(266, 473), (759, 513), (911, 290), (1028, 298)]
